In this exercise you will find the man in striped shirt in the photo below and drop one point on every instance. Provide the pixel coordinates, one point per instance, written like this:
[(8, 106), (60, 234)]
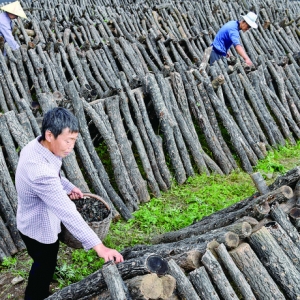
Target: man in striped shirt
[(44, 201)]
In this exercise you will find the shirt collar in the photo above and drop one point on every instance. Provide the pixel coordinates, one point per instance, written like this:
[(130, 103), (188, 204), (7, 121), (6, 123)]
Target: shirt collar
[(47, 154)]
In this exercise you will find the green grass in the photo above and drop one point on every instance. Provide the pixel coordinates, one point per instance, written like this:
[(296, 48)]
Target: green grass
[(200, 196)]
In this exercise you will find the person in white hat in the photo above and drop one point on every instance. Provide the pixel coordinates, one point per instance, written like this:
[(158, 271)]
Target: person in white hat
[(10, 12), (229, 35)]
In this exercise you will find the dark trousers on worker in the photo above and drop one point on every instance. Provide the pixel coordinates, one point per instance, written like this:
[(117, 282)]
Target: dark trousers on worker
[(215, 55), (44, 262)]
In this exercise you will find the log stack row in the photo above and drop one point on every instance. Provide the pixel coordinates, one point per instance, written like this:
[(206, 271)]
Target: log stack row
[(247, 251), (132, 73)]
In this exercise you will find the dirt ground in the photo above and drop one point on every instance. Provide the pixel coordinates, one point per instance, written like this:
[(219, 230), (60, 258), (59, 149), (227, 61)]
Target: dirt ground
[(15, 292)]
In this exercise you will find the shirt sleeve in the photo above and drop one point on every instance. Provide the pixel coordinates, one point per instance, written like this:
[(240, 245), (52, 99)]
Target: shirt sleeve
[(235, 37), (48, 187), (7, 34), (67, 185)]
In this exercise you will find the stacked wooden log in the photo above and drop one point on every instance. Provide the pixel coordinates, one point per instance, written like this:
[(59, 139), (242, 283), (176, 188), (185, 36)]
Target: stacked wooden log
[(132, 72), (247, 251)]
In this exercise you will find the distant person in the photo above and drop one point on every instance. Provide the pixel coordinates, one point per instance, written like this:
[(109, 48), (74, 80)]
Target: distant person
[(44, 201), (229, 35), (10, 12)]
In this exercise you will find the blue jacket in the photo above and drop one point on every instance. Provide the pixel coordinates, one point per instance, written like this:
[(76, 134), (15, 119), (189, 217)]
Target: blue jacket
[(228, 35)]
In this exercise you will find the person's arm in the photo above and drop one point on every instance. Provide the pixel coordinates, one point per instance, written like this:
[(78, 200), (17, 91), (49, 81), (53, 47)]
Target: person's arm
[(240, 50), (73, 192), (9, 38)]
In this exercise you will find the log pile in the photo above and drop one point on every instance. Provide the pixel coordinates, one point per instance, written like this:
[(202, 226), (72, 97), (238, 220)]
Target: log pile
[(132, 73), (250, 251)]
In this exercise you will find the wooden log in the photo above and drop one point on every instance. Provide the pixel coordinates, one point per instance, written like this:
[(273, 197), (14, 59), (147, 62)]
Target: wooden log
[(187, 261), (32, 119), (167, 93), (102, 174), (39, 70), (202, 284), (240, 145), (8, 214), (92, 284), (162, 114), (93, 174), (249, 207), (285, 242), (262, 114), (4, 233), (25, 123), (215, 270), (159, 166), (294, 215), (139, 184), (260, 183), (151, 286), (184, 286), (235, 273), (276, 262), (16, 129), (114, 282), (195, 100), (262, 284), (121, 175), (223, 235), (282, 218), (8, 143), (137, 141), (7, 183)]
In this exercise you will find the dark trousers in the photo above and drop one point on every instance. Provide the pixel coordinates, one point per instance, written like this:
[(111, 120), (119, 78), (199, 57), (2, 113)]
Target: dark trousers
[(216, 56), (44, 262)]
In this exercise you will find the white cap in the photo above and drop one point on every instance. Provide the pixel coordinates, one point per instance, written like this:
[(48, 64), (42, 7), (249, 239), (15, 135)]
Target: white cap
[(14, 8), (250, 19)]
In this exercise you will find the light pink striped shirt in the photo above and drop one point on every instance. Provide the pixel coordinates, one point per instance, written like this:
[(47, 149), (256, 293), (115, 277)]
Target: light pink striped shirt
[(43, 201)]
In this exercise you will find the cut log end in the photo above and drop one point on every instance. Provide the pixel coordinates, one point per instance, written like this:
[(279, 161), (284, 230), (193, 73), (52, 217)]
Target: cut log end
[(156, 264)]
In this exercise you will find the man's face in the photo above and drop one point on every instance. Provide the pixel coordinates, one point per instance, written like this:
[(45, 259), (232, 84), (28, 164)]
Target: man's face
[(12, 16), (244, 26), (63, 144)]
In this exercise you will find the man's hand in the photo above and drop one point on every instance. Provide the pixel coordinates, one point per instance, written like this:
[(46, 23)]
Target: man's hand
[(76, 194), (248, 62), (108, 254)]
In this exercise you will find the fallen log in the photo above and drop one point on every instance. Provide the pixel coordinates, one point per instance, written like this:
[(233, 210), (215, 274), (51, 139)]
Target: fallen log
[(235, 273), (276, 262), (218, 276), (282, 218), (92, 284), (253, 207), (285, 242), (203, 285), (114, 282), (262, 284), (183, 285)]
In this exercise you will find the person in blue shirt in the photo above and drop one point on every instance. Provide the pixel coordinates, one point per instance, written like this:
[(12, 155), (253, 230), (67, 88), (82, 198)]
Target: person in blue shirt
[(10, 12), (229, 35)]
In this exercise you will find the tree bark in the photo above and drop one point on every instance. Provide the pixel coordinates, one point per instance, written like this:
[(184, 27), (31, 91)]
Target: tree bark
[(184, 286), (235, 273), (276, 262), (114, 282), (218, 276), (203, 285), (257, 276)]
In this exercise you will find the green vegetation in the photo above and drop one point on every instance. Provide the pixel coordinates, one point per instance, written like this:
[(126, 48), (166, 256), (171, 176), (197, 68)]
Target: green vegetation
[(181, 206)]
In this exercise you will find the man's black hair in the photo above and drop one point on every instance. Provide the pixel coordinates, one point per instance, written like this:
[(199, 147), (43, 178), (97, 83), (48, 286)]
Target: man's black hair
[(58, 119)]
